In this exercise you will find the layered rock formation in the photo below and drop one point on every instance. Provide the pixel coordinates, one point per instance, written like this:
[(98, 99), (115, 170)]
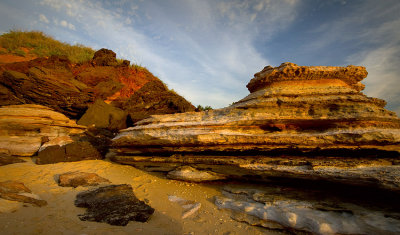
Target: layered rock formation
[(49, 82), (71, 88), (298, 121), (24, 128), (306, 210)]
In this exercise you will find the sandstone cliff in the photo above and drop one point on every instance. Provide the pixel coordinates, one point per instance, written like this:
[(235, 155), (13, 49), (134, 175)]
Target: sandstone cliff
[(292, 112), (24, 128), (71, 88)]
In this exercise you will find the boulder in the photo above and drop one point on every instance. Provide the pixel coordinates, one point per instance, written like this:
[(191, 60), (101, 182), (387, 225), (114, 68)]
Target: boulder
[(17, 191), (24, 128), (114, 204), (155, 98), (102, 115), (75, 179), (297, 122), (72, 152), (105, 57)]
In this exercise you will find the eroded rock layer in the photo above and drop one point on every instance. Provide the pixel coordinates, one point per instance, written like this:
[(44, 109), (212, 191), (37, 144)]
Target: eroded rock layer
[(291, 111), (24, 128)]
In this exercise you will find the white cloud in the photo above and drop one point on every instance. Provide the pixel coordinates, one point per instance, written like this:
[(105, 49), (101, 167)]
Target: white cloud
[(65, 24), (210, 59), (43, 19), (372, 30)]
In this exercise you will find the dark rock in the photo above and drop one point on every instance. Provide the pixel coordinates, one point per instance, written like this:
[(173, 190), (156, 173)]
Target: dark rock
[(100, 139), (103, 115), (75, 179), (6, 159), (114, 204), (105, 57), (76, 151), (155, 98), (13, 191)]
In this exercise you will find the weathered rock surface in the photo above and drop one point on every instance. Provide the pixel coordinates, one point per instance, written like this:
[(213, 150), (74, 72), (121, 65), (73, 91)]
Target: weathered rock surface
[(49, 82), (155, 98), (16, 191), (102, 115), (292, 112), (24, 128), (114, 204), (368, 171), (71, 88), (75, 179), (75, 151), (105, 57), (6, 159), (311, 210), (187, 173)]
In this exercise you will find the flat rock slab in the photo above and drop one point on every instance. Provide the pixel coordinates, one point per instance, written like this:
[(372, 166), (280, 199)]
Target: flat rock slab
[(17, 191), (6, 159), (310, 211), (75, 179), (114, 204)]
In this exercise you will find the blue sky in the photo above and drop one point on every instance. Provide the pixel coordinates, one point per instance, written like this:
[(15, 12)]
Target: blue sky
[(208, 50)]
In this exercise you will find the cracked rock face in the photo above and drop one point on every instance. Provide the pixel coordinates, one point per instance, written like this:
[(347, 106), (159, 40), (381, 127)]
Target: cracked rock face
[(312, 210), (114, 204), (24, 128), (315, 117)]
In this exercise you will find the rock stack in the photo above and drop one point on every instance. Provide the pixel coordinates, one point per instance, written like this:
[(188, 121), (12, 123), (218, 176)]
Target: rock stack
[(298, 121)]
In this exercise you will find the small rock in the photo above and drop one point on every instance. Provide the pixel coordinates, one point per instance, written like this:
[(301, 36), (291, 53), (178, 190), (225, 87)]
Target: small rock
[(75, 179), (114, 204), (17, 191), (188, 173)]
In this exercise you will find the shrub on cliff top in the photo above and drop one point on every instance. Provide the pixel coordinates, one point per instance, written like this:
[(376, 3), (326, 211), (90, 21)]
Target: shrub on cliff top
[(43, 45)]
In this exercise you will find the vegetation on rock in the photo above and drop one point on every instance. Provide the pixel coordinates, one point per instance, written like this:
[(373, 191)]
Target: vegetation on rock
[(43, 45), (70, 78)]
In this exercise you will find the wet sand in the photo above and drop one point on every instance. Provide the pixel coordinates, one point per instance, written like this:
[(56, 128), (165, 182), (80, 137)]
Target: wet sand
[(60, 215)]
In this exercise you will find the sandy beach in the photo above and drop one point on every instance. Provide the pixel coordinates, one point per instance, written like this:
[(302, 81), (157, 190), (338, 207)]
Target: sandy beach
[(60, 216)]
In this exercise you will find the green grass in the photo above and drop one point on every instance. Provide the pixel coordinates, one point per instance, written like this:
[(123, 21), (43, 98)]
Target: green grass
[(43, 45)]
